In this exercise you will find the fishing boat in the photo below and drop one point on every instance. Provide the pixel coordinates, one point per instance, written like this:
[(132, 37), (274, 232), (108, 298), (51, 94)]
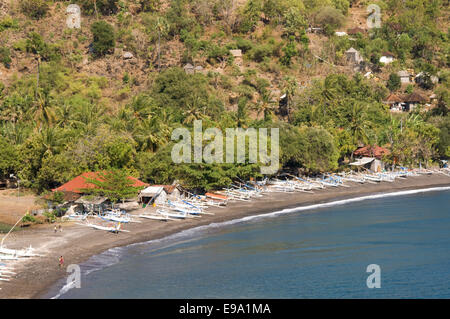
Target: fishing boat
[(114, 218), (18, 252), (114, 229), (8, 257), (76, 216), (160, 217), (172, 214)]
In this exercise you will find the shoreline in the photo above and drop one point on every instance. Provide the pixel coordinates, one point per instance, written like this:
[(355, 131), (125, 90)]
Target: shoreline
[(36, 277)]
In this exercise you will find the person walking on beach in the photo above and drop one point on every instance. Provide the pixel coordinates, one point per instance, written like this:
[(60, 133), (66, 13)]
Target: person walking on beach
[(61, 262), (55, 229)]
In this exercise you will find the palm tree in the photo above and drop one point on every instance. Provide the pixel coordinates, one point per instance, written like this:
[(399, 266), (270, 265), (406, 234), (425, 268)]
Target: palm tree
[(266, 105), (43, 112), (50, 140), (358, 124), (161, 27), (195, 110), (290, 91)]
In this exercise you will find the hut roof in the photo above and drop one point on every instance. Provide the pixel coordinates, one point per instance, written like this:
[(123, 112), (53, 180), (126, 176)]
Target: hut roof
[(236, 53), (351, 50), (387, 53), (356, 30), (372, 151), (415, 97), (394, 98), (403, 73), (151, 191)]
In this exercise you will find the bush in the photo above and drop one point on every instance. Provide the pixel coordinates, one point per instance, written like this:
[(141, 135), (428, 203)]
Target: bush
[(393, 83), (50, 217), (330, 19), (36, 44), (28, 219), (150, 5), (8, 23), (34, 9), (5, 56), (105, 7), (104, 38)]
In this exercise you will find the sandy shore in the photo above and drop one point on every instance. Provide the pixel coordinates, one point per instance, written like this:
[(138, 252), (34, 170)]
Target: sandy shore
[(77, 243)]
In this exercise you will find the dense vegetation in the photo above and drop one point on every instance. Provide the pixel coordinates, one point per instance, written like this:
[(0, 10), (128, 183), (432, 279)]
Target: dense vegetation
[(59, 122)]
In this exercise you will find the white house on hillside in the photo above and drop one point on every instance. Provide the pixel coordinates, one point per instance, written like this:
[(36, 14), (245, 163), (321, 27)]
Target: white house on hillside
[(387, 58)]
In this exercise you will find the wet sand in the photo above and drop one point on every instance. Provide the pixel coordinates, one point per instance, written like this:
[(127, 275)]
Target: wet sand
[(77, 243)]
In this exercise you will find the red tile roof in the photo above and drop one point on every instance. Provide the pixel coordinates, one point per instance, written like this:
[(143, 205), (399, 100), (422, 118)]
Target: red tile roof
[(372, 151), (79, 183)]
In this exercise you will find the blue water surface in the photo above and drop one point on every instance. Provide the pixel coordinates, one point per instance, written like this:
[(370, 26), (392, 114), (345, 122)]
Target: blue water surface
[(322, 253)]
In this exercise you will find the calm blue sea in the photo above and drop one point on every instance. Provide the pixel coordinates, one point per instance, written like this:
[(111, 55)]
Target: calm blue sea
[(321, 252)]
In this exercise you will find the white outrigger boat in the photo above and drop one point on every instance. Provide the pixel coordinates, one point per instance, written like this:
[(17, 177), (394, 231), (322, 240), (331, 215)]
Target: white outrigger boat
[(76, 217), (113, 229), (18, 252), (8, 257), (157, 216), (172, 214)]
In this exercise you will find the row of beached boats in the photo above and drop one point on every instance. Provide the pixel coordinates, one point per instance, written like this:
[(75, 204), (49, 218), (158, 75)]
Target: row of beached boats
[(195, 206)]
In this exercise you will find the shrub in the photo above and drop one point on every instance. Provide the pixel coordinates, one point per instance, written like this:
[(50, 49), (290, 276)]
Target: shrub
[(105, 7), (36, 44), (8, 23), (330, 19), (104, 38), (28, 219), (50, 217), (34, 9), (244, 44), (5, 56), (150, 5), (393, 83)]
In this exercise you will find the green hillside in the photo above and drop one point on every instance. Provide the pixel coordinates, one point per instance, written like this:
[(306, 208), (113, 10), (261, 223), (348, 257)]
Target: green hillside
[(110, 93)]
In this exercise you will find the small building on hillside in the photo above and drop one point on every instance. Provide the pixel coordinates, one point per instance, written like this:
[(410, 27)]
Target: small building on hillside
[(413, 100), (340, 33), (353, 56), (237, 55), (422, 77), (395, 102), (387, 57), (405, 77), (189, 69)]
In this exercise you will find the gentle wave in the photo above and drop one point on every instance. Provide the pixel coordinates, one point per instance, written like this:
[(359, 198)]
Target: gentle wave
[(112, 255)]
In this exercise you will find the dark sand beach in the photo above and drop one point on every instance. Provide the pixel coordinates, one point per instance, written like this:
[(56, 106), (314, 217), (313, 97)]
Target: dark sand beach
[(77, 243)]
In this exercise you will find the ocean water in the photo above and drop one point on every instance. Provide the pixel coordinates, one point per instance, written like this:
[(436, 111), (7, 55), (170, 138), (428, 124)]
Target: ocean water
[(321, 251)]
